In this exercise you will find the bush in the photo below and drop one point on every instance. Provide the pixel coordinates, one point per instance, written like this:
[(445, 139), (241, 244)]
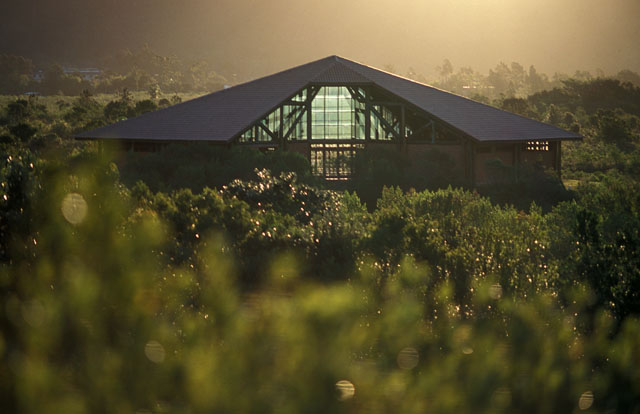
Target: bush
[(375, 168), (598, 242), (523, 186), (196, 166), (94, 322)]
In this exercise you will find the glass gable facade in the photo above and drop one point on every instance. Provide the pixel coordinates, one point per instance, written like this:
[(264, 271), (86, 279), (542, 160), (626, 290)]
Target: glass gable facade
[(338, 127), (337, 113)]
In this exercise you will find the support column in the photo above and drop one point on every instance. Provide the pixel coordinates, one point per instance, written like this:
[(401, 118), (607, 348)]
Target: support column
[(367, 119), (308, 103), (281, 129), (559, 158), (403, 131), (516, 160), (472, 163)]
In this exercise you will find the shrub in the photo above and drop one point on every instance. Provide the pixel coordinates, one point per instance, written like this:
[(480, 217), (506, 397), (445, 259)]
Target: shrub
[(94, 322)]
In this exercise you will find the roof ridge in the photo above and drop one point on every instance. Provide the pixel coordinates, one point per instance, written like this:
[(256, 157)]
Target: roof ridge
[(337, 65), (295, 68)]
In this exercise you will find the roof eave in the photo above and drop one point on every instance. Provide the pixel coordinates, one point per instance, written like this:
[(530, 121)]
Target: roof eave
[(159, 140)]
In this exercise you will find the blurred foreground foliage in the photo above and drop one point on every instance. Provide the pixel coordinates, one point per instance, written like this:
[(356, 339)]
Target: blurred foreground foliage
[(270, 295)]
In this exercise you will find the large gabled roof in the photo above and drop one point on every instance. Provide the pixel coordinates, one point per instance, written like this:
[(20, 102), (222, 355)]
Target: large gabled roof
[(222, 115)]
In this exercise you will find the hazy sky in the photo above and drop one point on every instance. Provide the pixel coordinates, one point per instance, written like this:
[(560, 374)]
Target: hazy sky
[(256, 37)]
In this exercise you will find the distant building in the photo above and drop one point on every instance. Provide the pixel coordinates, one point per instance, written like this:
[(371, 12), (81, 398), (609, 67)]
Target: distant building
[(332, 108), (38, 76), (87, 74)]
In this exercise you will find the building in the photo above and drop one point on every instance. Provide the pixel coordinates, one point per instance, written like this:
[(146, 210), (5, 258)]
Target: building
[(332, 108), (87, 74)]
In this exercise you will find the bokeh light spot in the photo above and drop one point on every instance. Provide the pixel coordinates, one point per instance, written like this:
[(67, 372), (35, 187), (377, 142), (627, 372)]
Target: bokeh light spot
[(154, 351), (586, 400), (502, 397), (345, 389), (74, 208), (408, 358), (33, 313)]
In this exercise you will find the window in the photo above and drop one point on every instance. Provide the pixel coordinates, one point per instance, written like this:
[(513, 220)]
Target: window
[(333, 161), (290, 113), (537, 146), (379, 131), (336, 115)]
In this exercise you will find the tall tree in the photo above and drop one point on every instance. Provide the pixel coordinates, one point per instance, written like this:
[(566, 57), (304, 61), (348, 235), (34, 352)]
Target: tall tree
[(16, 74)]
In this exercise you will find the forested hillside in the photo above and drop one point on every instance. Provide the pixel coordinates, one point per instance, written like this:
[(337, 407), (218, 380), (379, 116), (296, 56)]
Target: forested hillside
[(187, 281)]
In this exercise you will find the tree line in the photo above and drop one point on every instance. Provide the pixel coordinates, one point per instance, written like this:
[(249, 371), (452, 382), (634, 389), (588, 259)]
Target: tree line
[(509, 80), (145, 70), (141, 70)]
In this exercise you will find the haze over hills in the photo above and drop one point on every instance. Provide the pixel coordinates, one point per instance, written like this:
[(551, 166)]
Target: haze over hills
[(253, 38)]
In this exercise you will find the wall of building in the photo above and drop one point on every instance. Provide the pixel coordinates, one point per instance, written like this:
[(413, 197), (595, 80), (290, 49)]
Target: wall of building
[(414, 151), (469, 159), (299, 147), (548, 159), (485, 153), (454, 151), (510, 155)]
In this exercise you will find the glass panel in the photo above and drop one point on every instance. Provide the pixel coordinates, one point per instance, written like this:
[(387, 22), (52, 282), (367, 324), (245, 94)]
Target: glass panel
[(380, 130), (317, 131), (298, 130), (345, 117), (344, 164), (262, 135), (248, 136), (302, 127), (293, 122), (345, 131), (334, 109), (301, 97), (317, 162), (331, 163), (331, 131), (331, 104)]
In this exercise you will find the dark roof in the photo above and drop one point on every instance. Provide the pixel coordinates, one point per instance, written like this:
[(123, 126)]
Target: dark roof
[(223, 115)]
